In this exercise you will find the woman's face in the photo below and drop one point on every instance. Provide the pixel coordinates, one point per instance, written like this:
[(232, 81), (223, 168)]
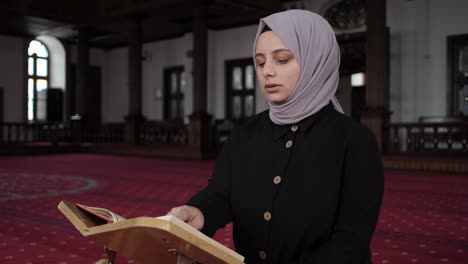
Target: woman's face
[(277, 69)]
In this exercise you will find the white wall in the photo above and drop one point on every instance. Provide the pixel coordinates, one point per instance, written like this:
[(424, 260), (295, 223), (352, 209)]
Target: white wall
[(405, 20), (114, 93), (454, 22), (226, 45), (222, 45), (418, 77), (57, 58), (160, 55), (12, 76), (418, 53), (164, 54)]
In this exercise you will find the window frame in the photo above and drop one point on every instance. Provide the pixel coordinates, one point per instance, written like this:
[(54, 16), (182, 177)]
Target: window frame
[(35, 78), (169, 97), (244, 92)]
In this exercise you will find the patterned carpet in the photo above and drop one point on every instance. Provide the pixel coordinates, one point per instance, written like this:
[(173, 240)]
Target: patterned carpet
[(424, 217)]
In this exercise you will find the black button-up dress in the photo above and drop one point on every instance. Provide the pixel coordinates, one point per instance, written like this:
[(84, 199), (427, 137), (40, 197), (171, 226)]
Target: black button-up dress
[(303, 193)]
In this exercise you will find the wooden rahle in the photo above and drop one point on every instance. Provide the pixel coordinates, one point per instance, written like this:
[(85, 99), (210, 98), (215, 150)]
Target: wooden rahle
[(150, 240)]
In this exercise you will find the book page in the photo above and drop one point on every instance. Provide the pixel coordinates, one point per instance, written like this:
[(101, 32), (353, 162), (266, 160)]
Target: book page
[(102, 212)]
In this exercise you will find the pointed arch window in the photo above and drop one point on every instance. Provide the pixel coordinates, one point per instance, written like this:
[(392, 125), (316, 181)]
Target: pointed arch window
[(38, 80)]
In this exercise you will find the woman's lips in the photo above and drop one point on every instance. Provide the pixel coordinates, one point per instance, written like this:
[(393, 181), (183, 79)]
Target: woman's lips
[(271, 88)]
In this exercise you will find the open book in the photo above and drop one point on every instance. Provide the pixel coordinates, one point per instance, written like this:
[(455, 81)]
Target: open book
[(147, 239), (101, 213), (111, 217)]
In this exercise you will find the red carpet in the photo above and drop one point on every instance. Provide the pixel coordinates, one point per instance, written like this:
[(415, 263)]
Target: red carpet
[(424, 217)]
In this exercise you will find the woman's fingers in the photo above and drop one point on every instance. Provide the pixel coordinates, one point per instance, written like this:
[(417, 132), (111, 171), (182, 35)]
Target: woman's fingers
[(189, 214)]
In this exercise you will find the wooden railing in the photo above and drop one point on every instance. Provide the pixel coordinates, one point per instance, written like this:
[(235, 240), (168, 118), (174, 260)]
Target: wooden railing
[(154, 132), (54, 133), (13, 132), (402, 137), (107, 133), (427, 137)]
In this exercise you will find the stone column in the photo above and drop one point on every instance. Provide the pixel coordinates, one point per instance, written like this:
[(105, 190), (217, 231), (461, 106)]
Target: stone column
[(200, 61), (2, 113), (134, 117), (70, 88), (376, 112), (80, 94), (200, 121), (82, 74)]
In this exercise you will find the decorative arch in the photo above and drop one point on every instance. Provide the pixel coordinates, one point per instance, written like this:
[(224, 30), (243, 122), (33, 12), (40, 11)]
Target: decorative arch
[(46, 78), (345, 16), (38, 80), (57, 61)]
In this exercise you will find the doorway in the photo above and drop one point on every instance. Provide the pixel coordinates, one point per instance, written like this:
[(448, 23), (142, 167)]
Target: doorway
[(457, 56), (353, 61), (92, 94)]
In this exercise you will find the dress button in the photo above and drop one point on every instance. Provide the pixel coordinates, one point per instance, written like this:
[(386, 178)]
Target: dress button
[(267, 216), (262, 254), (277, 180), (294, 128), (289, 144)]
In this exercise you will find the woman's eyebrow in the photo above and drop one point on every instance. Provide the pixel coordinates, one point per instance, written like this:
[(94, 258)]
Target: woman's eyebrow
[(273, 52), (280, 50)]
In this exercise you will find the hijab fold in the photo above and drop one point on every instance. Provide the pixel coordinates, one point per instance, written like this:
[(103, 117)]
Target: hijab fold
[(312, 41)]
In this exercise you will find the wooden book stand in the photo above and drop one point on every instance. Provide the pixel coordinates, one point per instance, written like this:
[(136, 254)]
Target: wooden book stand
[(149, 240)]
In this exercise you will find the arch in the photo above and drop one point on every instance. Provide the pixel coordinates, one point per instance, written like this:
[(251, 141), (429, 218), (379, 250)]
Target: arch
[(345, 16), (57, 57), (38, 80), (46, 70)]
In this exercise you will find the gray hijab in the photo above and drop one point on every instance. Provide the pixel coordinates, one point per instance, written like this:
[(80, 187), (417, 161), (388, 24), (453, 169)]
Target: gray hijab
[(313, 43)]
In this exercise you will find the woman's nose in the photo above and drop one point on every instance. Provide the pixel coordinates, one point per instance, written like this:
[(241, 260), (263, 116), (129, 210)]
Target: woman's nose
[(268, 70)]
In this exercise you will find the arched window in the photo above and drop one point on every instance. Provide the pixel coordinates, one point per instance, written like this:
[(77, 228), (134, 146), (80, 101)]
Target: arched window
[(346, 15), (38, 81)]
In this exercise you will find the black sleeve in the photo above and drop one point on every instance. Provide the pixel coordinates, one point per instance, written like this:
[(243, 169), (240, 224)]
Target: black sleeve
[(360, 201), (214, 200)]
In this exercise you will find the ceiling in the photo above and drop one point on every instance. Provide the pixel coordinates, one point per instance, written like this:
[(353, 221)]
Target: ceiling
[(109, 21)]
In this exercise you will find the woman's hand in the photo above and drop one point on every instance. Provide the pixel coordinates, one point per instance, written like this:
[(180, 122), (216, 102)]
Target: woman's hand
[(189, 214)]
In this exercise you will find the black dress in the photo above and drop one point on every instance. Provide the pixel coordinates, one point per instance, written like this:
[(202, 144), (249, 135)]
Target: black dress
[(304, 193)]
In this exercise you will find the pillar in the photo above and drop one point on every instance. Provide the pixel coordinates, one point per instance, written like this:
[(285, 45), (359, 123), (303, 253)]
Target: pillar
[(200, 137), (134, 117), (376, 113)]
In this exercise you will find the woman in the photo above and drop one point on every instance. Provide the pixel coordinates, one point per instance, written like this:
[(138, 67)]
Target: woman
[(301, 182)]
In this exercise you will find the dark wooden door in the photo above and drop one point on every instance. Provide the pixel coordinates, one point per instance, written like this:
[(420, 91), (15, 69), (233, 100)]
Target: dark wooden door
[(2, 111), (92, 94), (457, 51), (54, 104), (353, 60)]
